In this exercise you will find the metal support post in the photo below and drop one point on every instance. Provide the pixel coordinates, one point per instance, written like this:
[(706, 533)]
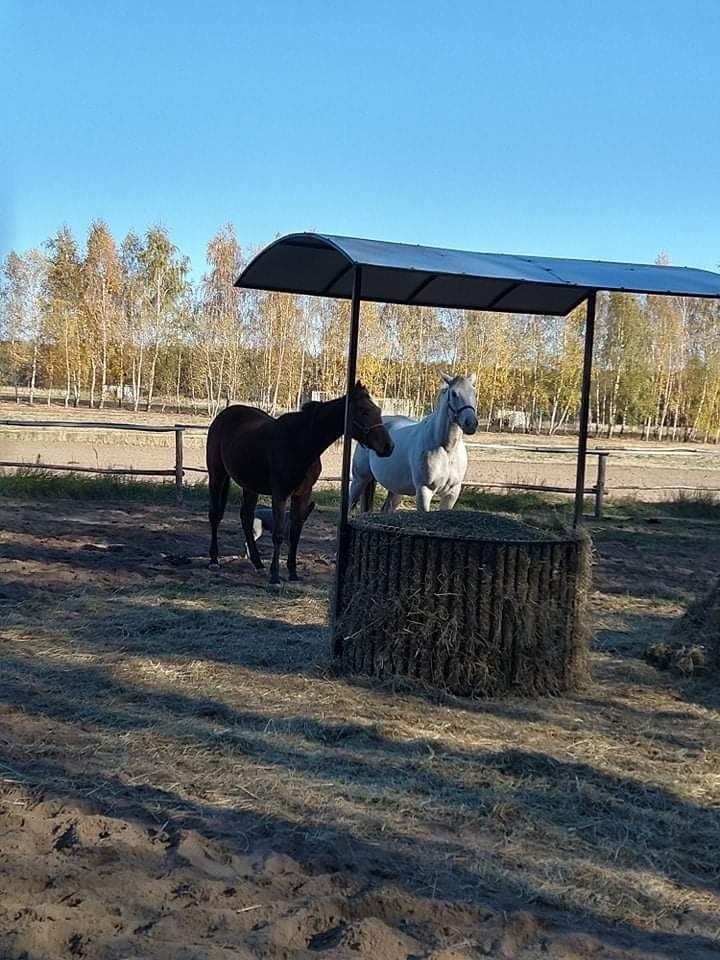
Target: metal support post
[(585, 406)]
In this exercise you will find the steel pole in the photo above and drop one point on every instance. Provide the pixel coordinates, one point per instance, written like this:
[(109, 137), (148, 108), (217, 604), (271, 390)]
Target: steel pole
[(585, 406), (342, 527)]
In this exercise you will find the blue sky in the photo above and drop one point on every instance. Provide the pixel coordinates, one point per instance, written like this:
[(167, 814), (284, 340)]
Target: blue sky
[(587, 129)]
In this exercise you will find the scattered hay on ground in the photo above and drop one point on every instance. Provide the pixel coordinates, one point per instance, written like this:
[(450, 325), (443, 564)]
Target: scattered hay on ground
[(693, 645), (183, 775)]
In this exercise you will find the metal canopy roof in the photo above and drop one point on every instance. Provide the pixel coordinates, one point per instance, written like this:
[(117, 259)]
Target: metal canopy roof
[(320, 265)]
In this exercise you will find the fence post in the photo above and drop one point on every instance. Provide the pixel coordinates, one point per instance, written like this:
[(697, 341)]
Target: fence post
[(179, 463), (600, 485)]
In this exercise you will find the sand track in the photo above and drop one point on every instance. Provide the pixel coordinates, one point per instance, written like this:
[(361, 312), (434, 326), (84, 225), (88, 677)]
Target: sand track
[(485, 466)]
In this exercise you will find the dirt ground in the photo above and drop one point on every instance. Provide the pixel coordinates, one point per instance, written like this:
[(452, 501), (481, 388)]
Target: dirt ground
[(182, 775)]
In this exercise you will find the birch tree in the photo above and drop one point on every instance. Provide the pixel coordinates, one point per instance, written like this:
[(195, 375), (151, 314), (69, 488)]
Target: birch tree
[(102, 289), (164, 282), (24, 295), (65, 306)]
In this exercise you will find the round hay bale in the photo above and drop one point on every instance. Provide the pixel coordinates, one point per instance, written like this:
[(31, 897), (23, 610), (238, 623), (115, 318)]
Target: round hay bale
[(474, 603)]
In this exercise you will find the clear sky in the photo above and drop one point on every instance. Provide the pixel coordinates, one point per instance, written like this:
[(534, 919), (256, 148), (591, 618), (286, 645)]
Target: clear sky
[(557, 127)]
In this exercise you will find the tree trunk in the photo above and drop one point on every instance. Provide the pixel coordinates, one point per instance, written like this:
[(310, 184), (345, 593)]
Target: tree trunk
[(151, 378), (177, 383), (33, 376), (302, 377), (67, 365), (93, 379), (121, 377), (104, 362), (137, 378)]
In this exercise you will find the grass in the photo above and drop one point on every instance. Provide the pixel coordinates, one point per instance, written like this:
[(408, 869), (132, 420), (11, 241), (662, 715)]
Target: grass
[(37, 484), (685, 505)]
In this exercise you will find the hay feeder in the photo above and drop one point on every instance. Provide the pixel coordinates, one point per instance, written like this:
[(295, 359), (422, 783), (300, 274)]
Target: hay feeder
[(476, 604)]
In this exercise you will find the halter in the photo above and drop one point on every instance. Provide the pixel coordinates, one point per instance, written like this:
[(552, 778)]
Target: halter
[(456, 413), (365, 431)]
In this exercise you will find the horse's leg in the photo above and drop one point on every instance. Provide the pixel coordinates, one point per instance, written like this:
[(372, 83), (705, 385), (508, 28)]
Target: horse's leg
[(448, 500), (279, 507), (218, 485), (300, 509), (247, 515), (360, 476), (392, 502), (357, 489), (423, 496), (368, 496)]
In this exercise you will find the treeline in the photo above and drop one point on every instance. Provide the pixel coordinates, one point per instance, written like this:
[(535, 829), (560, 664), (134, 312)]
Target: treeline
[(124, 324)]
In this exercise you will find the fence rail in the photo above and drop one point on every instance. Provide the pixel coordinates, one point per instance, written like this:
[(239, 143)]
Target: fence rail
[(592, 451), (598, 490), (116, 471), (177, 470), (95, 425)]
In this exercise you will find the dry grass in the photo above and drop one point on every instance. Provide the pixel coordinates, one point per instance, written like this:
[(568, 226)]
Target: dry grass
[(191, 698)]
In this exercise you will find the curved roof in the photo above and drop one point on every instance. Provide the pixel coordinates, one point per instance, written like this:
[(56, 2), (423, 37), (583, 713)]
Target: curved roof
[(321, 265)]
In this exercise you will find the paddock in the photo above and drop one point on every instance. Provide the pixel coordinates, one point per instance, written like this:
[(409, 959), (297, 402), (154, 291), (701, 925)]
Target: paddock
[(183, 774), (186, 773)]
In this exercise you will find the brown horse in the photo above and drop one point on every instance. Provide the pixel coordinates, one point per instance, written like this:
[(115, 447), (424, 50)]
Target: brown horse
[(281, 457)]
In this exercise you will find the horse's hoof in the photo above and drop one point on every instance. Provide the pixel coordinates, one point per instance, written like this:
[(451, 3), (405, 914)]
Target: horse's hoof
[(294, 578), (275, 586), (259, 571), (213, 565)]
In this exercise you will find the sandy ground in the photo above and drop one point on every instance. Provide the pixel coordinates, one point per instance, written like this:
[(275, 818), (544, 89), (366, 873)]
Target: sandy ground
[(182, 776), (672, 465), (486, 466)]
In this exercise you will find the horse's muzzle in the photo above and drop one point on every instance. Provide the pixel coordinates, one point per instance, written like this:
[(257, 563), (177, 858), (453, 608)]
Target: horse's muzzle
[(384, 447), (470, 425)]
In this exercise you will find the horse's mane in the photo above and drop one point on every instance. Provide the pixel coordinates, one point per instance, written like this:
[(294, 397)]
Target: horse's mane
[(359, 390)]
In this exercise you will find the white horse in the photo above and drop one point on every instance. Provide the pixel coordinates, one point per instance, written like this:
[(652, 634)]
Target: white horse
[(429, 459)]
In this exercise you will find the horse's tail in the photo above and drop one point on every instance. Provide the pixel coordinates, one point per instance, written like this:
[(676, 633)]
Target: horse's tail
[(367, 499)]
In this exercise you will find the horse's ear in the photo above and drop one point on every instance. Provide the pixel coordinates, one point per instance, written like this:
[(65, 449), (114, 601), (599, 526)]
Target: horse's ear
[(359, 386), (446, 377), (472, 377)]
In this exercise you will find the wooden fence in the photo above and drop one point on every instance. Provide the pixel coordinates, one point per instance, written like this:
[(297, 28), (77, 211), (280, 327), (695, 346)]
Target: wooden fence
[(598, 490), (177, 470)]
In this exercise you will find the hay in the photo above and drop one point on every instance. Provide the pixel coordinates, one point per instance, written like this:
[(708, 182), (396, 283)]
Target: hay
[(693, 645), (462, 525), (474, 603)]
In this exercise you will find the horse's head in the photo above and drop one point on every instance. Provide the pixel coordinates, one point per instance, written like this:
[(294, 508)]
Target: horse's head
[(366, 422), (460, 397)]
